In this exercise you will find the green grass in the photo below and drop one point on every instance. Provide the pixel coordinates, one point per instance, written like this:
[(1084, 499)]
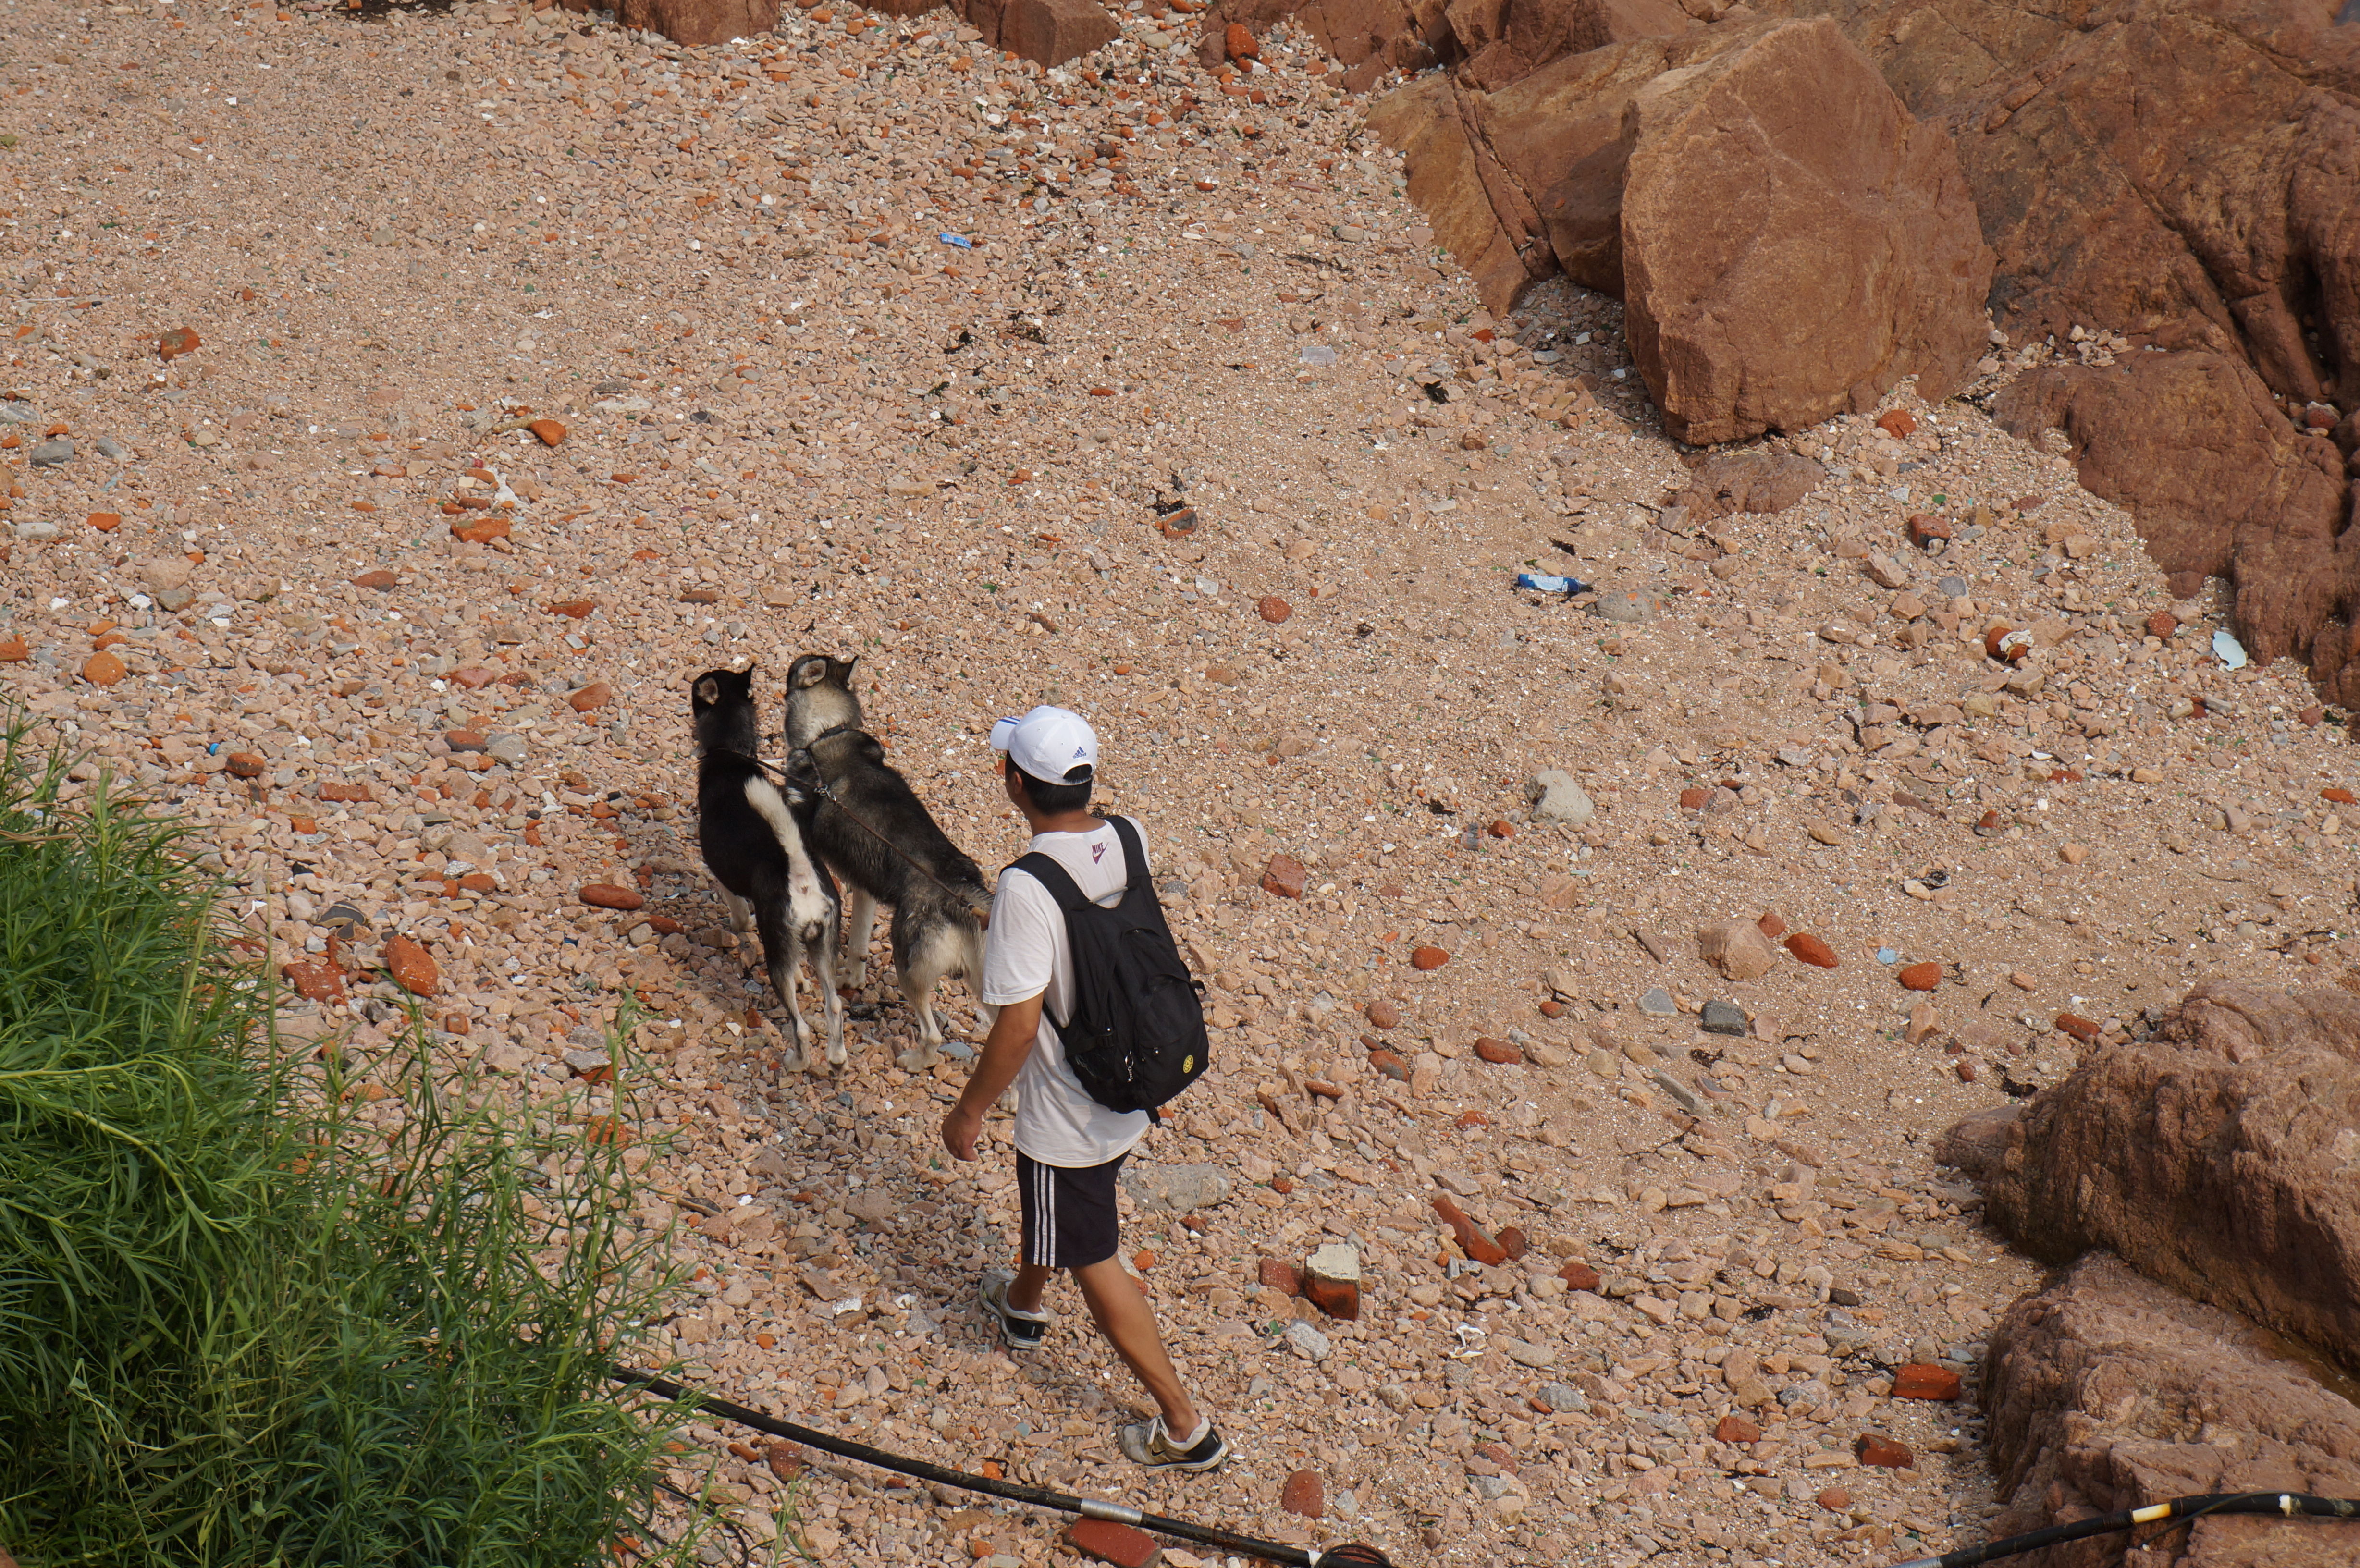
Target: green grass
[(240, 1323)]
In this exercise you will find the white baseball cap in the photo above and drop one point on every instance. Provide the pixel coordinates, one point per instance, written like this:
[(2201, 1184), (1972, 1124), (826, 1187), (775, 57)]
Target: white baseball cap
[(1055, 745)]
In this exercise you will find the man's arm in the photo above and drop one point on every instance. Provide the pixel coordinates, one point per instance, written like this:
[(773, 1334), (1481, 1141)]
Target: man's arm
[(1004, 1051)]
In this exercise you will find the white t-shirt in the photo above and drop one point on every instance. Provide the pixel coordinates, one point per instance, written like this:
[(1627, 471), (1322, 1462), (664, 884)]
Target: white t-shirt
[(1025, 954)]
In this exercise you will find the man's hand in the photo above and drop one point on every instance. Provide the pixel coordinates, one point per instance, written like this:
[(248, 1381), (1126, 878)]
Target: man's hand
[(1013, 1028), (961, 1127)]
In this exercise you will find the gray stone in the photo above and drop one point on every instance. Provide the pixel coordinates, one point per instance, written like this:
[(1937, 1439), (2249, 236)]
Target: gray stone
[(18, 413), (1723, 1016), (51, 454), (1657, 1003), (1175, 1189), (1458, 1183), (1307, 1342), (172, 601), (1556, 798), (1524, 1353), (582, 1063), (33, 530), (1953, 587), (112, 450), (1627, 605), (1490, 1488), (508, 748), (1562, 1398), (1682, 1095), (1794, 756)]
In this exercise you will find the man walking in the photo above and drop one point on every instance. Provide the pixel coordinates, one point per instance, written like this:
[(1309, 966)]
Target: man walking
[(1069, 1148)]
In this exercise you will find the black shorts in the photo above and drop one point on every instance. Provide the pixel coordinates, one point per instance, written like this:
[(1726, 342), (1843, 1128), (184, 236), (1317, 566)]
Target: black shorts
[(1069, 1214)]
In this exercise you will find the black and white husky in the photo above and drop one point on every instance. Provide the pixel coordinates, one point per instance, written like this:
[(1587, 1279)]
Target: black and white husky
[(755, 834), (879, 836)]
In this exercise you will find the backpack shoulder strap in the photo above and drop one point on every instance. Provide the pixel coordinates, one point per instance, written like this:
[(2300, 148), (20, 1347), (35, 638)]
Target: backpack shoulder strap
[(1045, 869), (1134, 856)]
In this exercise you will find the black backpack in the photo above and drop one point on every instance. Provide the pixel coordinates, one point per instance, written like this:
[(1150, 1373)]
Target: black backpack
[(1137, 1034)]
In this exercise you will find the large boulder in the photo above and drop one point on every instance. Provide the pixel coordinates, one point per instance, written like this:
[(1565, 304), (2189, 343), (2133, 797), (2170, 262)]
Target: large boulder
[(1048, 32), (2220, 484), (1794, 241), (2221, 1157), (2105, 1392), (697, 22), (1789, 241)]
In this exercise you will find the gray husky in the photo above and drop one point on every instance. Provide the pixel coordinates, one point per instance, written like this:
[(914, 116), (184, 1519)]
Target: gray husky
[(879, 836)]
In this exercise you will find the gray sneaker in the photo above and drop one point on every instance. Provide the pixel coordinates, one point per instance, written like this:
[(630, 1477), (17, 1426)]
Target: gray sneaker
[(1148, 1443), (1019, 1330)]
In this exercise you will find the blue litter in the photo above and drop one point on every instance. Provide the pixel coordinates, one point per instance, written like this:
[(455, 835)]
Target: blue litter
[(1542, 582), (959, 240), (2228, 650), (1888, 956), (214, 749)]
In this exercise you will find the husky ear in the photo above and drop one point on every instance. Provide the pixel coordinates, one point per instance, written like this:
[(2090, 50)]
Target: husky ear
[(708, 691), (841, 669), (808, 670)]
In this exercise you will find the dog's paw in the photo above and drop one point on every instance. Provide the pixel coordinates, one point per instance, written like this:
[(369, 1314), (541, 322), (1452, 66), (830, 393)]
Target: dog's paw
[(917, 1058)]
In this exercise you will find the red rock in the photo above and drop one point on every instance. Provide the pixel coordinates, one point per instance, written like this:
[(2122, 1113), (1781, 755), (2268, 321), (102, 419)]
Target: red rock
[(1501, 828), (1923, 1380), (700, 22), (411, 966), (477, 882), (2079, 1373), (608, 896), (1898, 423), (1390, 1064), (1303, 1493), (2162, 625), (1579, 1277), (573, 609), (1693, 797), (106, 522), (345, 792), (2201, 1156), (1284, 1278), (1338, 1299), (1273, 609), (455, 1022), (1552, 1008), (482, 530), (1384, 1016), (1103, 1541), (1473, 1240), (1047, 32), (178, 342), (2080, 1027), (1498, 1052), (1967, 1069), (785, 1459), (597, 694), (1428, 957), (464, 741), (472, 677), (1284, 876), (2220, 484), (1874, 1449), (1919, 976), (2339, 795), (1736, 1429), (1515, 1243), (1835, 1499), (1774, 925), (550, 431), (379, 580), (321, 983), (102, 669), (1239, 42), (13, 650), (1924, 528), (1811, 950), (246, 765)]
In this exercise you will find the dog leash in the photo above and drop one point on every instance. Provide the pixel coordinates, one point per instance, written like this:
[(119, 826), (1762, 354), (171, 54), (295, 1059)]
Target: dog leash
[(784, 775)]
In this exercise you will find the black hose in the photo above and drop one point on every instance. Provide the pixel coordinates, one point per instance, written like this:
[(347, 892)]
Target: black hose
[(1352, 1554), (2289, 1505)]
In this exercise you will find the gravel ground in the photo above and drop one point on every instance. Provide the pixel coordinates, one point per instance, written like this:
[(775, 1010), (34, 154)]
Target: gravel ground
[(855, 340)]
